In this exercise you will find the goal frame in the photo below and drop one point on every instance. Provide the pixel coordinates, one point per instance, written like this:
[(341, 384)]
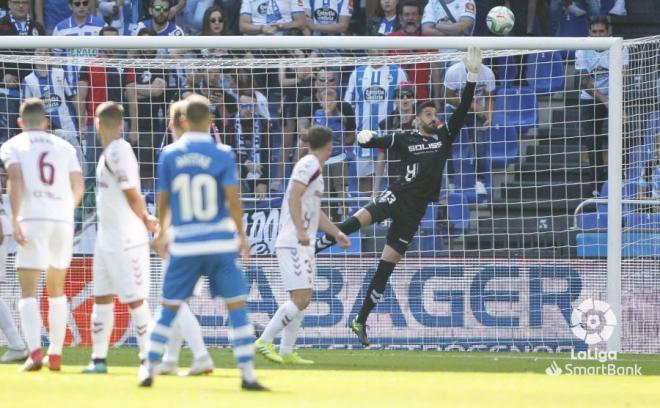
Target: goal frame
[(615, 116)]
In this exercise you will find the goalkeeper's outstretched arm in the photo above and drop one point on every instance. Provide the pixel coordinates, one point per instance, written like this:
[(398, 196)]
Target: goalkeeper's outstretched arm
[(472, 61)]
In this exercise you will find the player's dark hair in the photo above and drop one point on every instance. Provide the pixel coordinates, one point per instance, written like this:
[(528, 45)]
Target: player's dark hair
[(604, 20), (111, 113), (108, 29), (319, 136), (424, 105), (32, 112), (197, 110)]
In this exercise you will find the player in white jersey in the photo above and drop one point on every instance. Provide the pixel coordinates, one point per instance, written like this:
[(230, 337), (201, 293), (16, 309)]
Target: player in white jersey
[(121, 254), (45, 185), (300, 219), (186, 325), (16, 347)]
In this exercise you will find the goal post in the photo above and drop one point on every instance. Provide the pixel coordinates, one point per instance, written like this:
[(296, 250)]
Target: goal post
[(452, 290)]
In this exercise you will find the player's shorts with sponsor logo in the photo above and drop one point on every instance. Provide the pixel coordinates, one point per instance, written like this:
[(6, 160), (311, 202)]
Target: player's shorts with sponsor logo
[(222, 270), (297, 266), (49, 243), (122, 271), (406, 214)]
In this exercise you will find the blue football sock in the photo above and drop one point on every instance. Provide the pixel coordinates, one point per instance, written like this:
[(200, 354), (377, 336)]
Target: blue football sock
[(241, 335), (160, 334)]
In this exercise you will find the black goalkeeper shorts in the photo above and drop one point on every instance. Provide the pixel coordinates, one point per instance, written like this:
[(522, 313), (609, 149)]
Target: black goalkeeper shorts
[(406, 214)]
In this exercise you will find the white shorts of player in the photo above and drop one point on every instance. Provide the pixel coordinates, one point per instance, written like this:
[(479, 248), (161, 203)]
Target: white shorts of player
[(49, 243), (122, 272), (297, 266)]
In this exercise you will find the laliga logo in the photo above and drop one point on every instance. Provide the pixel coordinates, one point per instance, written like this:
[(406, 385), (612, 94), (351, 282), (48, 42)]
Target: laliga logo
[(593, 321)]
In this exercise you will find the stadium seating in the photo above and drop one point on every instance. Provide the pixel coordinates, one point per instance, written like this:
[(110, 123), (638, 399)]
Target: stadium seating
[(652, 129), (515, 106), (503, 146), (545, 72)]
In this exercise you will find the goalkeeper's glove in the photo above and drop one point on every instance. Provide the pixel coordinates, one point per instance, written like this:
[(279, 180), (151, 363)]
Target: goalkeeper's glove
[(472, 62), (365, 136)]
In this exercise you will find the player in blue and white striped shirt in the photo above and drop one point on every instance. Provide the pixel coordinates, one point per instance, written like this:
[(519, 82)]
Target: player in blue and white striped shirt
[(196, 177)]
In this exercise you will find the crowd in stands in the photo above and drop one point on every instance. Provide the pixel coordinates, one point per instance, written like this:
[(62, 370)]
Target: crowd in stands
[(264, 113)]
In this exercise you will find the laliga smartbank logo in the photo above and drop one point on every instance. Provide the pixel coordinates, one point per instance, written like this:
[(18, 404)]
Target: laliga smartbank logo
[(593, 321)]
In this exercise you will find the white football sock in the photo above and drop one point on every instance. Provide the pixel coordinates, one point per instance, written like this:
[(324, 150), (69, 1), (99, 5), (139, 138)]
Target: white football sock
[(191, 331), (8, 327), (103, 318), (290, 334), (57, 314), (284, 316), (31, 322), (173, 347), (142, 320)]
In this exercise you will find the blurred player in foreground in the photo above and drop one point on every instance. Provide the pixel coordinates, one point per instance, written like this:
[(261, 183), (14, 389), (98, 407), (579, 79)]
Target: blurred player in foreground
[(423, 153), (300, 220), (198, 190), (16, 350), (121, 255), (45, 186), (185, 325)]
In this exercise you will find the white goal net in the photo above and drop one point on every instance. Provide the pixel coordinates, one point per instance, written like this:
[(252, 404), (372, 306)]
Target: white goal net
[(517, 239)]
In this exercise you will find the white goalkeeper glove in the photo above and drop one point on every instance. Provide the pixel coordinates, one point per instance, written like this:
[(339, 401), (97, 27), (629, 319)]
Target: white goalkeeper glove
[(472, 61), (365, 136)]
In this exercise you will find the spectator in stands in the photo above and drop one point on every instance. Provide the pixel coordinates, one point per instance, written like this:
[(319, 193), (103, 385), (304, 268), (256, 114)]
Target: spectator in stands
[(213, 24), (411, 25), (193, 14), (150, 94), (323, 78), (50, 12), (17, 21), (50, 84), (575, 8), (339, 117), (159, 10), (116, 13), (402, 118), (4, 8), (592, 66), (371, 92), (447, 18), (328, 17), (252, 145), (386, 19), (479, 116), (618, 9), (96, 85), (80, 23), (275, 17), (296, 84)]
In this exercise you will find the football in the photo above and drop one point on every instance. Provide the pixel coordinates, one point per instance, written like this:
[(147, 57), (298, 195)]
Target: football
[(500, 20)]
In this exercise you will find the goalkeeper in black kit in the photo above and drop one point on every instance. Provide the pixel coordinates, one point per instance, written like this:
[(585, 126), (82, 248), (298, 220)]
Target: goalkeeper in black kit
[(424, 153)]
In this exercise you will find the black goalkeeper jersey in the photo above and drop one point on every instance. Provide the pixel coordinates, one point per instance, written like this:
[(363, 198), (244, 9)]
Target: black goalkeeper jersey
[(423, 158)]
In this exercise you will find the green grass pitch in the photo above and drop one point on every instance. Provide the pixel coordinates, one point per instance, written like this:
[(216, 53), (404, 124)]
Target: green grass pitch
[(341, 378)]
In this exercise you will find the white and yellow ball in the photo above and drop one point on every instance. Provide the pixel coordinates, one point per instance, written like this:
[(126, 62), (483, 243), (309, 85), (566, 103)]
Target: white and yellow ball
[(500, 20)]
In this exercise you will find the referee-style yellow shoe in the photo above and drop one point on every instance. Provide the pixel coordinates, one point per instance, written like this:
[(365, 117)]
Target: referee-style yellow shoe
[(294, 358)]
